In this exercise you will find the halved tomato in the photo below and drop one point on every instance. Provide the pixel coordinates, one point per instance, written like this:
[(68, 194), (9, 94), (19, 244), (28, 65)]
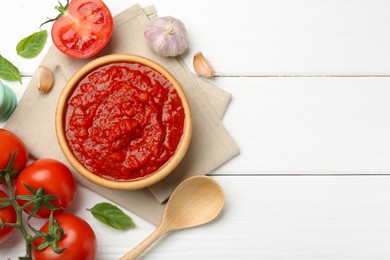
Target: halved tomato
[(83, 28)]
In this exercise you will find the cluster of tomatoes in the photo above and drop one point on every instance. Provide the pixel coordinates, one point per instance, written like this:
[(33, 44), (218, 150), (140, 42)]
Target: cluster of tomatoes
[(81, 30), (56, 180)]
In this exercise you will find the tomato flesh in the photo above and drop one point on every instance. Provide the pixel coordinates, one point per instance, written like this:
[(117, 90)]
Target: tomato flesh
[(84, 30)]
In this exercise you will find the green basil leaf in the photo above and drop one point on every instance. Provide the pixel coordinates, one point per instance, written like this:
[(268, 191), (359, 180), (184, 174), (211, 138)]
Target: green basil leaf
[(32, 45), (112, 216), (8, 71)]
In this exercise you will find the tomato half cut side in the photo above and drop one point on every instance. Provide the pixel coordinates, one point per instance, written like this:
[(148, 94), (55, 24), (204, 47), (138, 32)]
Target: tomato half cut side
[(84, 29)]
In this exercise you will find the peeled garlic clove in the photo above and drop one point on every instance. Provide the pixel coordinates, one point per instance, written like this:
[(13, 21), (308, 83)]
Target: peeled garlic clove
[(45, 79), (166, 36), (202, 66)]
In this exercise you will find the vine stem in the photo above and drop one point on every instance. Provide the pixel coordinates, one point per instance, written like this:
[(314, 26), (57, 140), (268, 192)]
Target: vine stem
[(19, 218), (37, 199)]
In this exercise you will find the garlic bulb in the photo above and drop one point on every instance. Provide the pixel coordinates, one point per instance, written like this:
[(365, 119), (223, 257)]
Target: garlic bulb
[(166, 36)]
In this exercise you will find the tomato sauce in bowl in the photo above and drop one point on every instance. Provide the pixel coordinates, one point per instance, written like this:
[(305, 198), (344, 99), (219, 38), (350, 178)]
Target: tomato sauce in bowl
[(123, 121)]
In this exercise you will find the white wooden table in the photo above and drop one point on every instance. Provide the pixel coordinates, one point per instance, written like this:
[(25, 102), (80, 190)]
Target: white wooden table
[(311, 114)]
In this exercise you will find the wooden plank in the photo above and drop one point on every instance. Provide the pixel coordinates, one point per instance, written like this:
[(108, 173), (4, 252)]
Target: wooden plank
[(265, 218), (256, 37), (309, 125), (290, 125)]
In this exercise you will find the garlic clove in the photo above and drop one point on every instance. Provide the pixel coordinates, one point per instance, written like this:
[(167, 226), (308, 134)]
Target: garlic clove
[(166, 36), (202, 66), (45, 79)]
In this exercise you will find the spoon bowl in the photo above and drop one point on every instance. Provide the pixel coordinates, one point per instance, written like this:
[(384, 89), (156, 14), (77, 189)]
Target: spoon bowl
[(196, 201)]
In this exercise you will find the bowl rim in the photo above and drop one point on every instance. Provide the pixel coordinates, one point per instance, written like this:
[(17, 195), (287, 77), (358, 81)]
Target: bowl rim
[(149, 180)]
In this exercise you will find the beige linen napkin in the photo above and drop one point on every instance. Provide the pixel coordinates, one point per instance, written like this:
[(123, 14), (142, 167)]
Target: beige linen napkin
[(211, 144)]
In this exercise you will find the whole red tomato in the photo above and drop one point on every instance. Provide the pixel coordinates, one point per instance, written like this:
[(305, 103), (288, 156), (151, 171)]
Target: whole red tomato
[(54, 177), (84, 28), (10, 143), (79, 240), (7, 215)]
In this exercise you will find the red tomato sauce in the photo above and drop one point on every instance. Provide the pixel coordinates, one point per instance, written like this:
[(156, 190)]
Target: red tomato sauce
[(124, 121)]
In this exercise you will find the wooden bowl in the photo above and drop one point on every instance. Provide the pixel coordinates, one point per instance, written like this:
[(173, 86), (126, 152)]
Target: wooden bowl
[(139, 183)]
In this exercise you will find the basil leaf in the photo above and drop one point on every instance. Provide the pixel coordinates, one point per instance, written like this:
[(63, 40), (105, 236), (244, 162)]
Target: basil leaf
[(112, 216), (32, 45), (8, 71)]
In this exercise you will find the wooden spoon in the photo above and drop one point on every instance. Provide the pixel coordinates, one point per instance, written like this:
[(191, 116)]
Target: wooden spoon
[(194, 202)]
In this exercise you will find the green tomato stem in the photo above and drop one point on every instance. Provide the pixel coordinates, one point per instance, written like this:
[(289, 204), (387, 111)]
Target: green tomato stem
[(35, 200), (19, 218), (63, 9)]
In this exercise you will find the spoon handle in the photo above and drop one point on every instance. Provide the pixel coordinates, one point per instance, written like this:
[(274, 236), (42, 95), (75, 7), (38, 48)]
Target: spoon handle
[(140, 248)]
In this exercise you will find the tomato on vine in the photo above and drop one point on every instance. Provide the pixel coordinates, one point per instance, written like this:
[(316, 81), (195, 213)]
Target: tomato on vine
[(46, 187), (10, 143), (82, 28), (7, 215), (77, 242), (50, 177)]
